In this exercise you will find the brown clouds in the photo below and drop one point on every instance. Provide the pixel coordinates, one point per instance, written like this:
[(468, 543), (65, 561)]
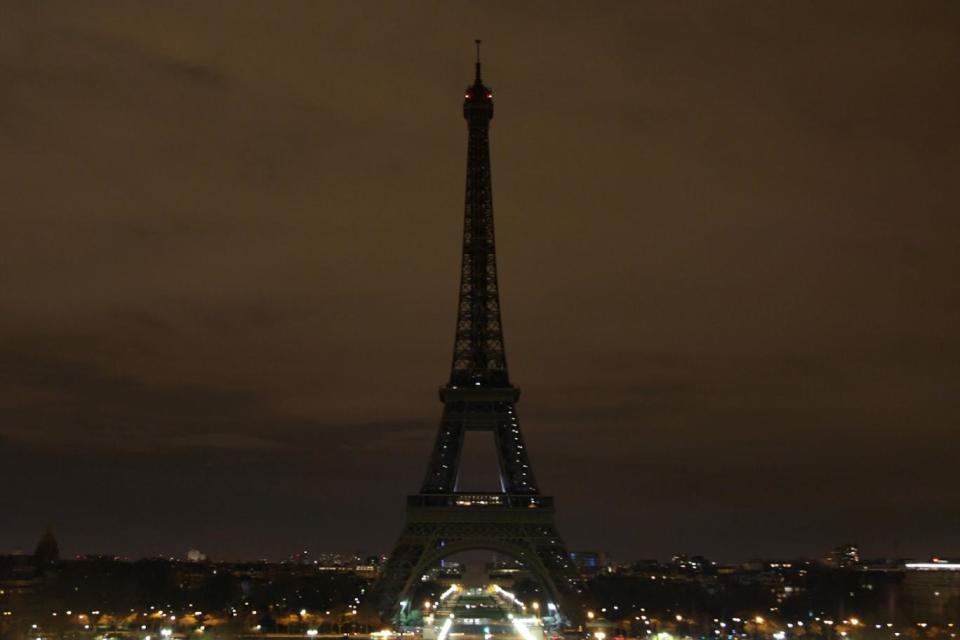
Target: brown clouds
[(728, 243)]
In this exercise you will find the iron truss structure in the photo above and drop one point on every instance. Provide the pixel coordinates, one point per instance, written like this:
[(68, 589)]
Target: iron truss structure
[(517, 521)]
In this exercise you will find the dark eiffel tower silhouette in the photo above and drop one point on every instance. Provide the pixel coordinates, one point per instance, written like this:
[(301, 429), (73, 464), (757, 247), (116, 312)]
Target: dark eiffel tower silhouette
[(517, 521)]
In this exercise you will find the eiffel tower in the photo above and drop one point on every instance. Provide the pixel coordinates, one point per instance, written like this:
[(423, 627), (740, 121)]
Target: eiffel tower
[(517, 521)]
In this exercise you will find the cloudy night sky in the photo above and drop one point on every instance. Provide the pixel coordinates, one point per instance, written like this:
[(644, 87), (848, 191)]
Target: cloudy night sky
[(727, 238)]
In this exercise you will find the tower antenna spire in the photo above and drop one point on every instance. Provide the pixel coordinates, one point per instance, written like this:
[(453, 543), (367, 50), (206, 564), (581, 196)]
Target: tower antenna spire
[(478, 59)]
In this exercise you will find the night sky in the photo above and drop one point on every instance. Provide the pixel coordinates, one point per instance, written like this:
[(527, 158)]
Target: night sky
[(728, 246)]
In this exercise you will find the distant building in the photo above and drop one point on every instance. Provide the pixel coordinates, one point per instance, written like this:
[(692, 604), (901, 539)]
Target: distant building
[(47, 551), (681, 562), (590, 561), (19, 575), (447, 571), (846, 556), (195, 555), (302, 557)]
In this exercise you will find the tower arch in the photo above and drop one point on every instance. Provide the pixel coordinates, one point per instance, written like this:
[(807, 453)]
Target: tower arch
[(516, 550)]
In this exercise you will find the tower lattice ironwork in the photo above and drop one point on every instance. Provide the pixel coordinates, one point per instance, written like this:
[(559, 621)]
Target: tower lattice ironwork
[(517, 521)]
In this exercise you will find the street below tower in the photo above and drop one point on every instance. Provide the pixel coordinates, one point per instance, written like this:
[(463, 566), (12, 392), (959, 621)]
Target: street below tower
[(483, 613)]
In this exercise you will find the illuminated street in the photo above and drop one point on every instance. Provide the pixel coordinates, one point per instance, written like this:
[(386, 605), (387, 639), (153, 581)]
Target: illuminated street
[(475, 613)]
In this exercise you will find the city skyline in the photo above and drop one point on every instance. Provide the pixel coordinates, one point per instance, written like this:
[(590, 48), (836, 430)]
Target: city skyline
[(727, 252)]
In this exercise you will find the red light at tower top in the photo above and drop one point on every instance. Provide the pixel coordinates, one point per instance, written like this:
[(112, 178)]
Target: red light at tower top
[(478, 97)]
